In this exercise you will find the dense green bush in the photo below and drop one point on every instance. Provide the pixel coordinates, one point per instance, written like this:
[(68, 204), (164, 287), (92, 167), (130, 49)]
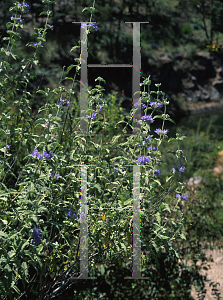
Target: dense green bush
[(41, 175)]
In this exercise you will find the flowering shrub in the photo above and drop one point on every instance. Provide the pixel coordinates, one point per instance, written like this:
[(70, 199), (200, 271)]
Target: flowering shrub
[(40, 180)]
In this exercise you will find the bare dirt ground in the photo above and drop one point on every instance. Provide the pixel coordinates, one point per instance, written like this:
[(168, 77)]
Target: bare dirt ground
[(215, 273)]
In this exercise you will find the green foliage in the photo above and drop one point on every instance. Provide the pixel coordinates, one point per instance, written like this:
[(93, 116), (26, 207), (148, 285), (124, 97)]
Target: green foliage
[(45, 265)]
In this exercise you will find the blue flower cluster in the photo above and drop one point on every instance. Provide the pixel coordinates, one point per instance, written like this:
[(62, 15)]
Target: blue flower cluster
[(148, 118), (150, 148), (182, 196), (143, 160), (27, 6), (165, 131), (37, 236), (70, 213), (35, 44), (156, 104), (180, 169), (56, 176), (157, 172), (91, 24), (19, 19), (142, 105), (94, 116), (40, 156), (64, 102)]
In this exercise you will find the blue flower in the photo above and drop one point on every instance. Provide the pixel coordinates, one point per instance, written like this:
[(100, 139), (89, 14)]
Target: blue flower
[(48, 156), (154, 148), (8, 146), (173, 170), (64, 102), (94, 116), (51, 175), (51, 27), (70, 213), (19, 19), (157, 172), (57, 176), (94, 25), (165, 131), (143, 143), (142, 105), (149, 138), (148, 118), (91, 24), (19, 4), (47, 124), (100, 107), (143, 160), (35, 44), (26, 5), (181, 169), (116, 169), (37, 236), (34, 153), (184, 197), (156, 104), (40, 156)]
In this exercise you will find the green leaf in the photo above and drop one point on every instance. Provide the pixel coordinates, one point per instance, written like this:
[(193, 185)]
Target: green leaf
[(115, 138), (13, 33), (40, 248), (3, 234), (25, 269), (75, 47), (15, 288), (41, 39), (182, 236), (166, 207), (168, 178), (42, 92), (128, 201), (24, 245), (158, 217), (71, 67), (157, 181), (155, 246), (43, 13)]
